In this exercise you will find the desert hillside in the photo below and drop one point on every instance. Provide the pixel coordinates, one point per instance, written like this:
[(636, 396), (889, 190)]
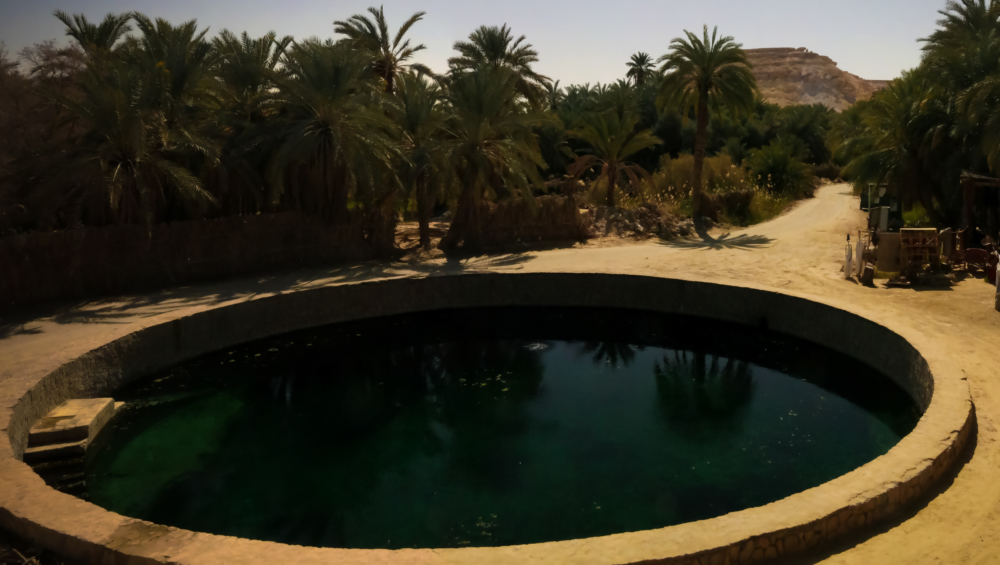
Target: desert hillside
[(797, 76)]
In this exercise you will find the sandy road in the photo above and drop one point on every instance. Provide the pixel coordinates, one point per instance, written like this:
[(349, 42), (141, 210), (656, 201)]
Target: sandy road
[(799, 252)]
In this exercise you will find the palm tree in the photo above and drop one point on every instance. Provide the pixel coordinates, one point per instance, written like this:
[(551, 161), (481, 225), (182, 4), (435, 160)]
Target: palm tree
[(389, 55), (244, 67), (981, 103), (126, 155), (809, 124), (245, 98), (964, 56), (704, 72), (963, 19), (554, 95), (612, 139), (420, 116), (490, 146), (179, 62), (893, 145), (495, 47), (96, 40), (640, 67), (618, 97), (333, 137)]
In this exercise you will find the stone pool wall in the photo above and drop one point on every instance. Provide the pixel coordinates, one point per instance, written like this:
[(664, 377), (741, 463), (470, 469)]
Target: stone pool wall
[(859, 499)]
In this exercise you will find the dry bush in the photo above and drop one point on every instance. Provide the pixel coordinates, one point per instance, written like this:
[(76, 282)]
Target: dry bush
[(554, 218), (719, 174)]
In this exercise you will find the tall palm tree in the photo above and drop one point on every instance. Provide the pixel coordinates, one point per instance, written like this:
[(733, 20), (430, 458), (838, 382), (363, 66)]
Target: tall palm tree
[(390, 55), (126, 154), (554, 95), (495, 47), (962, 19), (964, 56), (892, 148), (490, 145), (333, 138), (179, 62), (612, 139), (96, 40), (710, 71), (981, 103), (245, 97), (640, 67), (245, 66), (420, 116), (619, 97)]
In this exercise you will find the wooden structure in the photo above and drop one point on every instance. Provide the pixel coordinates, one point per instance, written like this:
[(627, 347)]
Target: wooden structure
[(920, 246)]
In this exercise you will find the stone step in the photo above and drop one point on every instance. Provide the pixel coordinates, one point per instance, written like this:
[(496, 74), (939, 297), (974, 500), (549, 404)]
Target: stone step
[(54, 452), (76, 489), (57, 465), (63, 476), (72, 421)]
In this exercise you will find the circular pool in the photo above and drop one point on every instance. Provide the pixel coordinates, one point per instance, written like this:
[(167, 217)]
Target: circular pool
[(189, 331), (490, 427)]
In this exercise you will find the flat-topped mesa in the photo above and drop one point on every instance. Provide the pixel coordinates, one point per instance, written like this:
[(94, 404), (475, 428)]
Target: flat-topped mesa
[(787, 76)]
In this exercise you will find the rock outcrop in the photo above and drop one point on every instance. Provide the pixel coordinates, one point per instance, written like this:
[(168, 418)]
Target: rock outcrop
[(789, 76)]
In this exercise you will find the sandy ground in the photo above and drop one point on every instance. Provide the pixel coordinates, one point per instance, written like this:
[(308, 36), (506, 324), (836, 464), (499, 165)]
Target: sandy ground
[(801, 251)]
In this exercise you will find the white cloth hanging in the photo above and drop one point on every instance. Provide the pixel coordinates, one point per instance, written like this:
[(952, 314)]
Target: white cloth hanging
[(848, 260)]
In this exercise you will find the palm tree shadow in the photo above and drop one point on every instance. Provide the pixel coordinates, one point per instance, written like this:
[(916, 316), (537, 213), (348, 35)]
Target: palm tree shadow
[(125, 309), (705, 241), (17, 328)]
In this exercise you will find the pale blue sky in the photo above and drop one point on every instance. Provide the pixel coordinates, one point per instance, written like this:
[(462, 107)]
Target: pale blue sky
[(580, 41)]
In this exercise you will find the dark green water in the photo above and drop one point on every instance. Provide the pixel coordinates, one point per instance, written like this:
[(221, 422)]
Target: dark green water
[(490, 427)]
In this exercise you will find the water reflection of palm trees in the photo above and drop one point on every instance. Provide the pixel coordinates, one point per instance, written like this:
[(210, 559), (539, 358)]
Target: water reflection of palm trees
[(711, 391), (481, 390), (610, 353)]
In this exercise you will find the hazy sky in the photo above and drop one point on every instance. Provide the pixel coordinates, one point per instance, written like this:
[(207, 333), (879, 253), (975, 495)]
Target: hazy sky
[(580, 41)]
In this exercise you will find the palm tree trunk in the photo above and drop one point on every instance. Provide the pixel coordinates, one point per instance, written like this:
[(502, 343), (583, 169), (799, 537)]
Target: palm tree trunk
[(382, 224), (474, 231), (339, 214), (927, 201), (423, 213), (456, 231), (612, 177), (700, 139), (467, 226)]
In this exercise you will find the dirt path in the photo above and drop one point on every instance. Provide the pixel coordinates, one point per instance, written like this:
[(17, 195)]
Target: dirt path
[(800, 252)]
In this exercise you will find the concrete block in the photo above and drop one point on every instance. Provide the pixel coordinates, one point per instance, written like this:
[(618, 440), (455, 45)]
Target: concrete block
[(72, 421)]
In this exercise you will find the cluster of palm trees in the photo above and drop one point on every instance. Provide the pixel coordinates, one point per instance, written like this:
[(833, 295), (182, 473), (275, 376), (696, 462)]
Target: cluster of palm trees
[(171, 124), (936, 121)]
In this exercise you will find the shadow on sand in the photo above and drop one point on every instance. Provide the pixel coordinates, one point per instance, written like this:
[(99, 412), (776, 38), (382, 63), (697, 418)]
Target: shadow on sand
[(130, 308), (705, 241)]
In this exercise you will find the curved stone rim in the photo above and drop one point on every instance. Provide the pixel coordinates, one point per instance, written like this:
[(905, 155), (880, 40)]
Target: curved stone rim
[(81, 530)]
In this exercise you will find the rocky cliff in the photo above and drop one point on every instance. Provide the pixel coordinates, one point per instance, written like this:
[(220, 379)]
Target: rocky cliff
[(789, 76)]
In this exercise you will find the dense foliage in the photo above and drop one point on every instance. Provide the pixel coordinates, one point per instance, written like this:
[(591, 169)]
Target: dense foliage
[(139, 121), (936, 121)]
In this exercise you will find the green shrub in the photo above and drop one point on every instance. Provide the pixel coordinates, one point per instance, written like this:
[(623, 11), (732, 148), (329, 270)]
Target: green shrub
[(718, 175), (778, 168), (917, 217), (729, 196), (829, 171)]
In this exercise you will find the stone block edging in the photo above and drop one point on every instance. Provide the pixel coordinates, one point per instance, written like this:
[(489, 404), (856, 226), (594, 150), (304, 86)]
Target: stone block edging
[(83, 531)]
